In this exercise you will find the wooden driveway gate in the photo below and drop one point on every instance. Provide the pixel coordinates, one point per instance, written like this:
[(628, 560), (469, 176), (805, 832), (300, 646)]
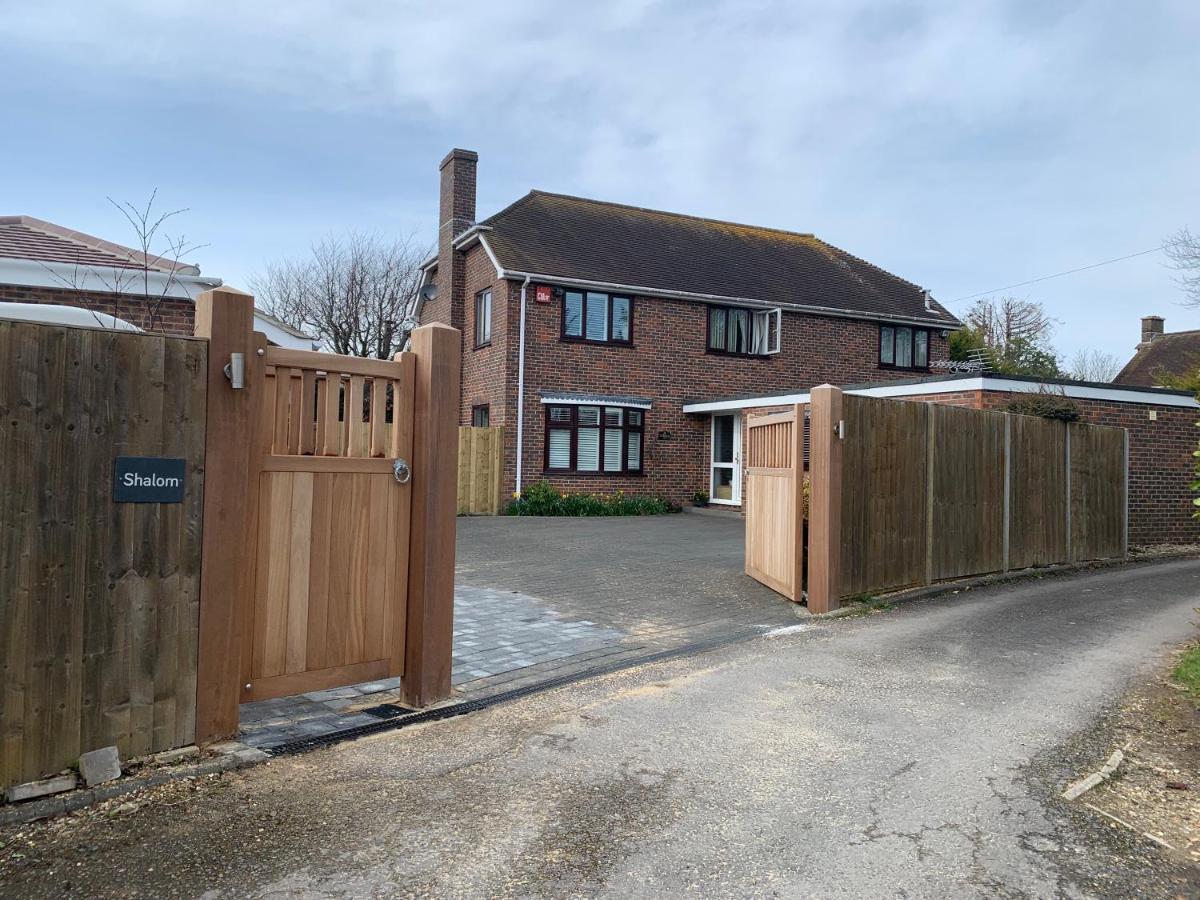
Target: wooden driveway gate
[(333, 444), (775, 501), (329, 511)]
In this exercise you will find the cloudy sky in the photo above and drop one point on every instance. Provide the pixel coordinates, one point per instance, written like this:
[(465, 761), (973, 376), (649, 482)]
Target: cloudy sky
[(966, 145)]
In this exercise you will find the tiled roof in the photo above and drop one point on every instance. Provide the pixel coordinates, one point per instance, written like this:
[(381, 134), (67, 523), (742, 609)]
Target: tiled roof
[(24, 237), (589, 240), (1175, 353)]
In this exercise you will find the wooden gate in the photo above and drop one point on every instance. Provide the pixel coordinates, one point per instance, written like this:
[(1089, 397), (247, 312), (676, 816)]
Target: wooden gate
[(775, 501), (333, 440)]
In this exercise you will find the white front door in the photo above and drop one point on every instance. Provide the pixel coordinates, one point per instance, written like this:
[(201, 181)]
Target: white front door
[(726, 479)]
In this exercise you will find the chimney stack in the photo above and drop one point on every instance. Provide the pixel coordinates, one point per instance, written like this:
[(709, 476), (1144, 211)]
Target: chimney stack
[(1152, 327), (456, 213)]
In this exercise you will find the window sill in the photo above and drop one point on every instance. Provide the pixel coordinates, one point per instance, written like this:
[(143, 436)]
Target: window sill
[(574, 340), (573, 474), (731, 355), (887, 367), (484, 345)]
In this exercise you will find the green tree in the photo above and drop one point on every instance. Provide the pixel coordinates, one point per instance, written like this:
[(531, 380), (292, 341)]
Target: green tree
[(1012, 336)]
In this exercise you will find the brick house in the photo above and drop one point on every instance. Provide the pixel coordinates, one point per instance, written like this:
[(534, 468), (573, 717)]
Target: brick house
[(44, 263), (1160, 353), (586, 325), (1161, 425)]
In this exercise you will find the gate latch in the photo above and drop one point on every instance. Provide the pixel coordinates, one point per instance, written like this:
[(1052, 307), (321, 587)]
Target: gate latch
[(402, 472)]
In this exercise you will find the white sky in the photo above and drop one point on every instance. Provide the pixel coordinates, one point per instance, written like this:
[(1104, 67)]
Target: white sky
[(963, 145)]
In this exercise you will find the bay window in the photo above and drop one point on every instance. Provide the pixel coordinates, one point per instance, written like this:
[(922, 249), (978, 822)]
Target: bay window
[(597, 318), (903, 347), (594, 439), (743, 332)]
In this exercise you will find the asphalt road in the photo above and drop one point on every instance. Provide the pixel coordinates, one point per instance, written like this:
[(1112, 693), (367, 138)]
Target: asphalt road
[(917, 752)]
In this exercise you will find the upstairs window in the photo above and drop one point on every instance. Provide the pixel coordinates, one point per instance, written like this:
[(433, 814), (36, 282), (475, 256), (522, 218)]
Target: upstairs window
[(903, 347), (597, 318), (483, 318), (743, 332), (601, 440)]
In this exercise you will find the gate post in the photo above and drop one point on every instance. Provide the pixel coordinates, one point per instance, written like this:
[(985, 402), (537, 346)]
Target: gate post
[(430, 615), (825, 500), (226, 317)]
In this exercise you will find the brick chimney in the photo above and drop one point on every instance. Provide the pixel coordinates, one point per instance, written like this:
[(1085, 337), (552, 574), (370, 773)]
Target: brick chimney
[(455, 215), (1152, 327)]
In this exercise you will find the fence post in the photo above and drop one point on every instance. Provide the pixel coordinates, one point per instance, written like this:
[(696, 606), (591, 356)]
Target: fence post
[(1070, 554), (1007, 487), (797, 452), (1125, 497), (226, 317), (930, 437), (825, 500), (429, 635)]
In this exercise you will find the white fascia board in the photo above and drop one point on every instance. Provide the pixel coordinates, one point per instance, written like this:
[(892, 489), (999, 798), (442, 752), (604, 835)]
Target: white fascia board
[(600, 401), (103, 280), (748, 302), (281, 337), (1146, 397), (487, 248)]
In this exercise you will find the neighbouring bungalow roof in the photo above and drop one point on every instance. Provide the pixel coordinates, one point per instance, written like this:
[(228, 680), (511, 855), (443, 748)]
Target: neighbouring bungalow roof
[(943, 384), (573, 238), (1175, 353), (24, 237)]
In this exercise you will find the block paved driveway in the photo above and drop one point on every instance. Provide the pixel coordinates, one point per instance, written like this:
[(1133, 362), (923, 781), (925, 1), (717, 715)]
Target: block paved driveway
[(538, 599)]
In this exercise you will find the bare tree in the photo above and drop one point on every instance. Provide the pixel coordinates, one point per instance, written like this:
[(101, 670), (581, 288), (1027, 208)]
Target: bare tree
[(1094, 365), (1016, 335), (357, 293), (1183, 250), (155, 253)]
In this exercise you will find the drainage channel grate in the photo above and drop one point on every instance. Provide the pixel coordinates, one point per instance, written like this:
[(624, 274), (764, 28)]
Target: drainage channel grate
[(437, 713), (387, 711)]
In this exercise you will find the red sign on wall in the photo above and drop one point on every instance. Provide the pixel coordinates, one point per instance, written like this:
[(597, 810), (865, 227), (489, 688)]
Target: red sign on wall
[(541, 293)]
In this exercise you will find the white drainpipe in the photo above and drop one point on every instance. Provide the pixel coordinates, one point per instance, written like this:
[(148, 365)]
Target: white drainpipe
[(521, 388)]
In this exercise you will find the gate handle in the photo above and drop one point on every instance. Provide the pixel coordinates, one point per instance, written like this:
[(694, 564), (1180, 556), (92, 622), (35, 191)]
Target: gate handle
[(402, 472)]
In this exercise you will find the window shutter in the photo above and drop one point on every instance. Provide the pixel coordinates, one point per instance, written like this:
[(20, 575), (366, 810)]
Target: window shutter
[(589, 450), (560, 449), (597, 317), (634, 454), (612, 450)]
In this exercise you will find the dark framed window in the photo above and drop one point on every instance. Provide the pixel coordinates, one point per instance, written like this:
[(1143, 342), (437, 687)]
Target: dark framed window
[(483, 318), (481, 416), (596, 440), (597, 318), (903, 347), (743, 332)]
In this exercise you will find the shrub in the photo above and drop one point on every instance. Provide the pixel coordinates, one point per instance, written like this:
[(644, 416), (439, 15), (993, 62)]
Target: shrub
[(1044, 402), (700, 498), (543, 499)]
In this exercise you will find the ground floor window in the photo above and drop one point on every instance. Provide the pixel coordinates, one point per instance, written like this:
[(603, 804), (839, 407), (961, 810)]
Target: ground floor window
[(597, 439), (481, 416)]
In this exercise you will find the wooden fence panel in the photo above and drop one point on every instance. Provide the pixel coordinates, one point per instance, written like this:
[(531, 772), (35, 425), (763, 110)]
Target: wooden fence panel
[(480, 470), (774, 502), (1097, 491), (967, 491), (98, 600), (884, 494), (1038, 520)]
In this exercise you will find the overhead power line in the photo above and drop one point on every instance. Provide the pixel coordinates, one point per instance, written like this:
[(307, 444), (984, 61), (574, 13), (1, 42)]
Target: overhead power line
[(1057, 274)]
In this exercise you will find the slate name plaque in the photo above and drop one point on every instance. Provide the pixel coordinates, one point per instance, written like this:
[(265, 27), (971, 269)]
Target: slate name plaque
[(149, 479)]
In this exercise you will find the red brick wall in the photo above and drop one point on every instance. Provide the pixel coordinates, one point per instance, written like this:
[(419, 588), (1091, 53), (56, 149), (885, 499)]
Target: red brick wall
[(169, 316), (668, 365), (1160, 460)]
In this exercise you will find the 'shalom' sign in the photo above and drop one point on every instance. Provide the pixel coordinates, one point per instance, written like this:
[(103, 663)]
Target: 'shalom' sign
[(149, 479)]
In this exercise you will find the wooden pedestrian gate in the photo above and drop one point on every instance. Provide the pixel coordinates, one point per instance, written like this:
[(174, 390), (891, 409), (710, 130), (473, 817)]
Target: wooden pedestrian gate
[(332, 504), (775, 501)]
